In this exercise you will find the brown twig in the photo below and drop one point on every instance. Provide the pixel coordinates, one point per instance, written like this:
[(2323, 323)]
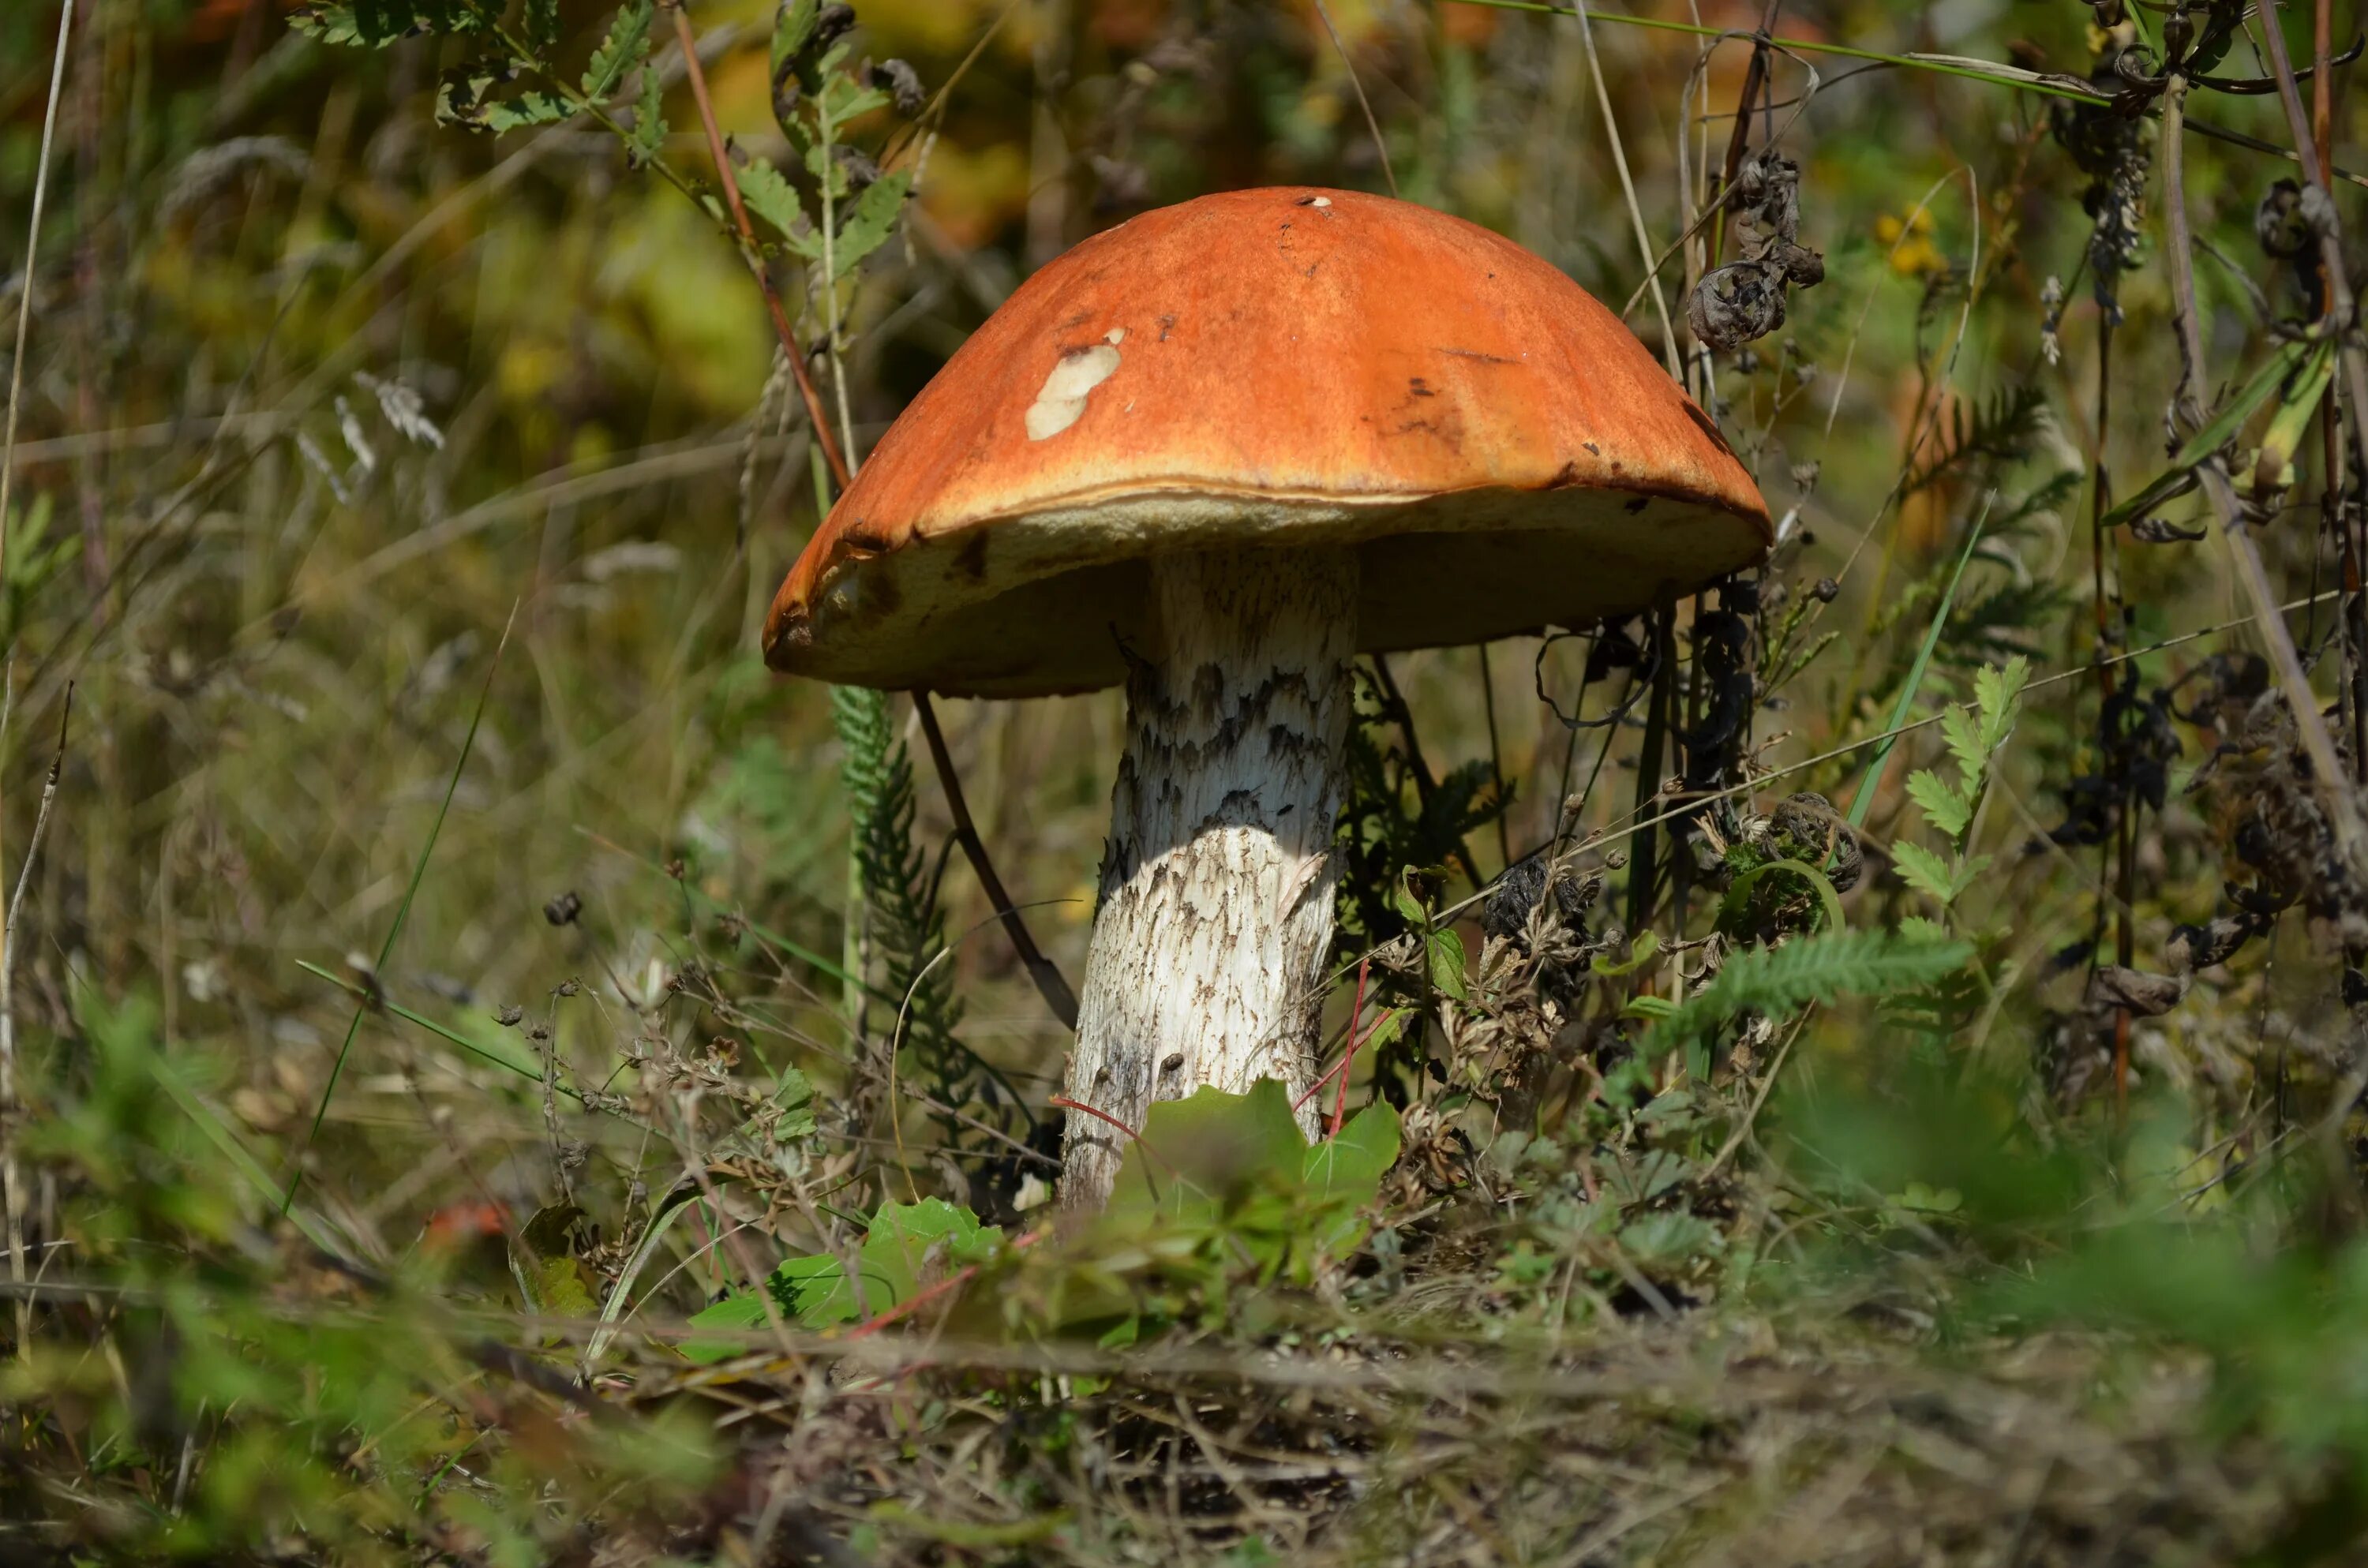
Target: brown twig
[(1050, 984), (752, 253)]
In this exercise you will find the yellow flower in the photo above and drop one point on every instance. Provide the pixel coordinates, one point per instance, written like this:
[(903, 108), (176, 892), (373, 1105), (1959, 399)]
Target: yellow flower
[(1912, 252)]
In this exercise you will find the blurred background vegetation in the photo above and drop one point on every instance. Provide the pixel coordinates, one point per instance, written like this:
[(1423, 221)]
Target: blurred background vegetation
[(445, 936)]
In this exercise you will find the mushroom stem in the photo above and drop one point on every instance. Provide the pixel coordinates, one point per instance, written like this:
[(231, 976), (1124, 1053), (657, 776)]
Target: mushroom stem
[(1217, 882)]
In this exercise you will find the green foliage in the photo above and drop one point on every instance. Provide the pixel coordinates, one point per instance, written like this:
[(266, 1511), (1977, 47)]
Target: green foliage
[(378, 23), (1974, 739), (1820, 967)]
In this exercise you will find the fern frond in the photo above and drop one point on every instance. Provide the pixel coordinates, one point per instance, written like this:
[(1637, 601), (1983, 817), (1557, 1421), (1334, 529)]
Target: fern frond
[(1813, 969)]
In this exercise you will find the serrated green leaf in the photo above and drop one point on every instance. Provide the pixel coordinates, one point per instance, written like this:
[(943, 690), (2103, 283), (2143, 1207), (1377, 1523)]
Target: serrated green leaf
[(526, 109), (1924, 871), (843, 98), (873, 220), (794, 29), (1998, 692), (627, 43), (1917, 928), (374, 24), (1943, 806), (649, 122), (541, 20), (770, 196), (1962, 734)]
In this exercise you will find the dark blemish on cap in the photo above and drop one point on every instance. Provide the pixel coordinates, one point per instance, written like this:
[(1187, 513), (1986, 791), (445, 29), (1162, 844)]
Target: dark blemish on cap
[(1166, 324), (1566, 476), (1592, 448), (1417, 387)]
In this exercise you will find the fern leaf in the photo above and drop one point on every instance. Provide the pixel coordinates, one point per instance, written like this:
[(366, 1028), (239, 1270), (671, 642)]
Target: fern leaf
[(1813, 969)]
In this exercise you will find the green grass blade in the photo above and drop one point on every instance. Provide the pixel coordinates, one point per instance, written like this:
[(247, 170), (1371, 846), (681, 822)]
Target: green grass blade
[(421, 1020), (1864, 803), (402, 911)]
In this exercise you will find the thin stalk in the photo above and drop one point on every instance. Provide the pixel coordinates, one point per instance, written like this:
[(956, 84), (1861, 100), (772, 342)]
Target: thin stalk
[(401, 915), (754, 254), (9, 1196), (1628, 188), (1049, 983), (1381, 147)]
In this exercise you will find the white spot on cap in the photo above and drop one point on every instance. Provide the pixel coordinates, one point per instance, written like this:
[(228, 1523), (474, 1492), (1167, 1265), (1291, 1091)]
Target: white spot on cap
[(1115, 336), (1321, 202), (1061, 401)]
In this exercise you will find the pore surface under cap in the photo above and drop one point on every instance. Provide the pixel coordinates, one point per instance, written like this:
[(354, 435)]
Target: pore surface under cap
[(1285, 368)]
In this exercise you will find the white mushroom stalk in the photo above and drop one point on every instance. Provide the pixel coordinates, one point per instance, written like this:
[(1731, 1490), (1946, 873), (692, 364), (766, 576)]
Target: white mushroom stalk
[(1217, 881)]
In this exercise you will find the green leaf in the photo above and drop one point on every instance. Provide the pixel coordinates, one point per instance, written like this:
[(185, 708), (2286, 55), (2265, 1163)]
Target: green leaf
[(1943, 806), (1963, 732), (1639, 955), (1924, 871), (1344, 1172), (1448, 964), (1864, 800), (649, 122), (872, 222), (1655, 1008), (793, 1092), (1998, 692), (2292, 421), (627, 43), (2218, 433), (374, 24), (542, 20), (527, 109), (794, 29), (1810, 968), (1350, 1164), (770, 196), (554, 1280), (1197, 1154)]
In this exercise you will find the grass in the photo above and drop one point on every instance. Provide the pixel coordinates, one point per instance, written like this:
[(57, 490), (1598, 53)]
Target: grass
[(629, 1214)]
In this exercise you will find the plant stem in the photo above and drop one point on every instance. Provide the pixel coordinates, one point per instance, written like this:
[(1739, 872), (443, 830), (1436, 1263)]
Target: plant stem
[(754, 254), (1050, 984)]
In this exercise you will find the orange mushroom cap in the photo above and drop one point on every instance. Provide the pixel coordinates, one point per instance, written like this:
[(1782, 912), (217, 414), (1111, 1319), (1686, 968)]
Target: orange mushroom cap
[(1285, 368)]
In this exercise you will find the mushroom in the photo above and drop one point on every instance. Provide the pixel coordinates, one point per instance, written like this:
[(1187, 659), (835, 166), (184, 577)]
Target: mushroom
[(1214, 454)]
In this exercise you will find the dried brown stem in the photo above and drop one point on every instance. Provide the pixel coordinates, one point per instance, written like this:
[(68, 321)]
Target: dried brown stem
[(1049, 983), (752, 253), (2327, 776)]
